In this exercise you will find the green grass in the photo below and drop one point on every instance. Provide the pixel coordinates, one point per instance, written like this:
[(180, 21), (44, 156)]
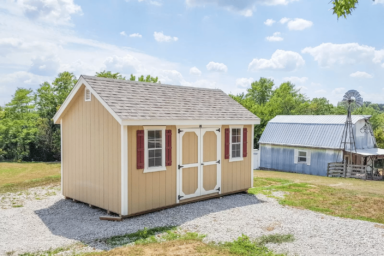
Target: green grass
[(16, 177), (347, 203)]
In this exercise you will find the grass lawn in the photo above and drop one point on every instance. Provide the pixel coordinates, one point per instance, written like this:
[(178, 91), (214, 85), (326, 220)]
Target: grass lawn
[(349, 198), (20, 176)]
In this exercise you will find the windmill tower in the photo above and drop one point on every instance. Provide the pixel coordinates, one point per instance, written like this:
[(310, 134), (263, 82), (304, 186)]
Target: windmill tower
[(352, 99)]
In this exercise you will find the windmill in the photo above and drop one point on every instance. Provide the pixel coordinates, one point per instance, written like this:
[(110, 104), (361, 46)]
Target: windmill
[(352, 99)]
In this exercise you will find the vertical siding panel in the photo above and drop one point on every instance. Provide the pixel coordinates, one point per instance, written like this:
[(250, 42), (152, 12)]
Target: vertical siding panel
[(88, 181), (130, 177), (106, 171), (118, 156), (114, 166), (100, 155), (110, 167), (80, 150)]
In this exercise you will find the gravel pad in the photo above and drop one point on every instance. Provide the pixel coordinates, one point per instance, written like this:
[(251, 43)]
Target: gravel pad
[(54, 222)]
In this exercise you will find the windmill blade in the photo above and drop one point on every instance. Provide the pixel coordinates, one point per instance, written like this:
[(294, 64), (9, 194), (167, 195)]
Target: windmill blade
[(353, 94)]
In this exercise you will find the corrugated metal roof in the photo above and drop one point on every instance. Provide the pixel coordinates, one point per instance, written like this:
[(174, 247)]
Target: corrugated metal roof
[(316, 119), (306, 131)]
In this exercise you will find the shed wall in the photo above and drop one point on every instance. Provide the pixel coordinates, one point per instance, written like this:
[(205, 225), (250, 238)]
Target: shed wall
[(91, 154), (236, 175), (282, 158), (363, 140), (151, 190)]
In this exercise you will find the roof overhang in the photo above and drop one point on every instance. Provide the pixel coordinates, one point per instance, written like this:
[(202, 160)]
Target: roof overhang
[(190, 122), (80, 82), (297, 146), (369, 152)]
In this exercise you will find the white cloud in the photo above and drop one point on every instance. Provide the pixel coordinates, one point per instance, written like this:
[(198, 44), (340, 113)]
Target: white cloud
[(296, 80), (218, 67), (320, 91), (160, 37), (244, 7), (284, 20), (378, 2), (269, 22), (328, 54), (339, 91), (58, 12), (156, 3), (195, 71), (360, 74), (302, 88), (135, 35), (244, 82), (45, 65), (280, 60), (122, 33), (275, 37), (299, 24)]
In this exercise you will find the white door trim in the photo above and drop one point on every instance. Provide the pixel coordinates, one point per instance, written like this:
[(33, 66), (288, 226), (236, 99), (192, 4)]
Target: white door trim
[(184, 166), (217, 162)]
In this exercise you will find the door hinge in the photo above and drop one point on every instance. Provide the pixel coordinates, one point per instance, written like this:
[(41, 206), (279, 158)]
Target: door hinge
[(218, 130), (179, 131), (179, 166), (218, 189), (218, 162), (179, 197)]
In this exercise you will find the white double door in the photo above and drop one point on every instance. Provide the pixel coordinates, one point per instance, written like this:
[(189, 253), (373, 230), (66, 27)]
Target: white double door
[(199, 162)]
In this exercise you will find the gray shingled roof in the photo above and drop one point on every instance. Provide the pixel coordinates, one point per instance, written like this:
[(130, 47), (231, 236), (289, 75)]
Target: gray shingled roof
[(132, 100)]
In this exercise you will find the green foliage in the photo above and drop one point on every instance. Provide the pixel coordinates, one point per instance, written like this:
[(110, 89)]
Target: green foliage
[(148, 79), (343, 8), (275, 239), (153, 235), (244, 246), (109, 74), (266, 102)]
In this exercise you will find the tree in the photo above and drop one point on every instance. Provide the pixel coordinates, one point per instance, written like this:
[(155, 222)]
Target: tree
[(18, 126), (109, 74), (148, 79), (344, 7), (261, 91)]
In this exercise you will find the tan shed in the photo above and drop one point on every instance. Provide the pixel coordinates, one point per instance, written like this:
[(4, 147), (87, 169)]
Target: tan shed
[(131, 147)]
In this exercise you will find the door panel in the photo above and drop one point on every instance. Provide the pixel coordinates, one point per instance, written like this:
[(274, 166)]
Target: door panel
[(190, 148), (199, 166), (209, 177), (210, 146), (190, 180)]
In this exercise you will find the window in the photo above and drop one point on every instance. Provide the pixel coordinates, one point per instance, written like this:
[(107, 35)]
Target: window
[(236, 147), (154, 148), (154, 143), (302, 157), (87, 95)]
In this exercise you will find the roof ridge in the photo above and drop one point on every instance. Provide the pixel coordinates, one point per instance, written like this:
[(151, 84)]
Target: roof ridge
[(146, 83)]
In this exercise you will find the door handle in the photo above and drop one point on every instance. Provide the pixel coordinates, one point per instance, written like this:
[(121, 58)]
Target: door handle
[(202, 163)]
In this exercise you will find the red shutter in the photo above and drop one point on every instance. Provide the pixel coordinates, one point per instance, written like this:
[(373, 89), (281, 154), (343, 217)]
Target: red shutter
[(245, 142), (226, 143), (140, 149), (168, 147)]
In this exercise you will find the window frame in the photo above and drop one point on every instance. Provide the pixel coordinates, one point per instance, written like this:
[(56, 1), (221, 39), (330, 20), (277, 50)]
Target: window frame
[(231, 158), (298, 156), (146, 157)]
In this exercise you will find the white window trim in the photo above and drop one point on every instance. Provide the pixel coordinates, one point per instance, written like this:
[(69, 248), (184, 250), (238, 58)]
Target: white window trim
[(85, 94), (308, 156), (298, 156), (157, 168), (230, 143)]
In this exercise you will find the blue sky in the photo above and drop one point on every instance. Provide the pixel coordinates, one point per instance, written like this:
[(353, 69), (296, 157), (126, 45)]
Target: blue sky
[(205, 43)]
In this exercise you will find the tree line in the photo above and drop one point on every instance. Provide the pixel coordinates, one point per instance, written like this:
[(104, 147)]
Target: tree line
[(267, 101), (27, 131)]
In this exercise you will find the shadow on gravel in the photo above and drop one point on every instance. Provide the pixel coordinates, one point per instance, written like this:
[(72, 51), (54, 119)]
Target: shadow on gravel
[(79, 222)]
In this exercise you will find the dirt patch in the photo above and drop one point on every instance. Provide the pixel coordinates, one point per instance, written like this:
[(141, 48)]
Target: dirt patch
[(272, 226), (173, 248)]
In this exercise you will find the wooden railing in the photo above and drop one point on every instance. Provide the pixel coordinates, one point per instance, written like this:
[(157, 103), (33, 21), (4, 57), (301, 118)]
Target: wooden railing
[(335, 170), (356, 171)]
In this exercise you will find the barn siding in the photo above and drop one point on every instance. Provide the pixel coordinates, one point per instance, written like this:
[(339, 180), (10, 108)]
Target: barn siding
[(236, 175), (91, 154), (150, 190), (282, 158)]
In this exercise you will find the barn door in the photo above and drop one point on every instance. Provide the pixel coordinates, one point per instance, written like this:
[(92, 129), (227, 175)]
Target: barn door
[(189, 167), (199, 166), (210, 160)]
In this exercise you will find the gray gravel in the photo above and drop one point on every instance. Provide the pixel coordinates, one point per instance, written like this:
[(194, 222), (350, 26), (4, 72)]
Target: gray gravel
[(54, 222)]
